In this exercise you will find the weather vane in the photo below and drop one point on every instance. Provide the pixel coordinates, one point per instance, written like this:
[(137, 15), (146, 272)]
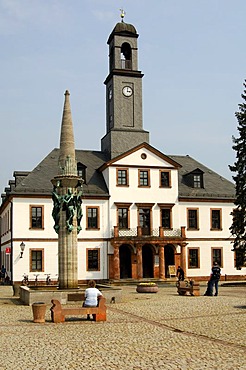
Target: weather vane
[(122, 14)]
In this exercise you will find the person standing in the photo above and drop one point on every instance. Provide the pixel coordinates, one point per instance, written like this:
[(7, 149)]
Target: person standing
[(214, 278), (180, 274), (3, 273)]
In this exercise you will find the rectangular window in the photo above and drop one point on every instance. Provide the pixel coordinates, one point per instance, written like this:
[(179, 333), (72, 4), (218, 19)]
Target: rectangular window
[(166, 218), (122, 177), (165, 179), (143, 178), (197, 181), (193, 258), (217, 256), (92, 217), (192, 219), (36, 217), (123, 218), (36, 260), (93, 259), (215, 219)]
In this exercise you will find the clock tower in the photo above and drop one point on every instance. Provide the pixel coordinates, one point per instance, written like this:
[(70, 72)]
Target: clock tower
[(124, 121)]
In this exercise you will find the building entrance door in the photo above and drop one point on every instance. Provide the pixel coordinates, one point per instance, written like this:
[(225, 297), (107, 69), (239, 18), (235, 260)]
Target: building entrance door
[(148, 261), (169, 257), (144, 220), (125, 262)]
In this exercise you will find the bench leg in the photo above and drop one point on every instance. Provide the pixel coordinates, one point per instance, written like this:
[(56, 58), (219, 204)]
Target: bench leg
[(57, 317), (99, 316)]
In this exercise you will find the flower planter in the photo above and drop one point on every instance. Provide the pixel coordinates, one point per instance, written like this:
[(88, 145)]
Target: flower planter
[(147, 288)]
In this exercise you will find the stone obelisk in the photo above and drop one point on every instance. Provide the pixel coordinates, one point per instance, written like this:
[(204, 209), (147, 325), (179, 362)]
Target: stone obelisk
[(67, 214)]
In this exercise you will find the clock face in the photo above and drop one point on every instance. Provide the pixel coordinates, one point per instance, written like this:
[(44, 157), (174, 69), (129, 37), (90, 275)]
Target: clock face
[(127, 91)]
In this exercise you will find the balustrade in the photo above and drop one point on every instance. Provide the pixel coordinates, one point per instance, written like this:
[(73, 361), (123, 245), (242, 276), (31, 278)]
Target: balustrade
[(157, 232)]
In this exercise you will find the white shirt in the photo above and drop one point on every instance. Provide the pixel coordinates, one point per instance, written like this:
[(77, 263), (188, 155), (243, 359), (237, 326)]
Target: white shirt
[(91, 295)]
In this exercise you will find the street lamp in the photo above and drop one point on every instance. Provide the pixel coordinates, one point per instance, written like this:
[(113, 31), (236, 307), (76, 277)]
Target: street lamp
[(22, 247)]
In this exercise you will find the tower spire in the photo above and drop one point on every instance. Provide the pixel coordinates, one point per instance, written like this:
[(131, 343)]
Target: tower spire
[(67, 162)]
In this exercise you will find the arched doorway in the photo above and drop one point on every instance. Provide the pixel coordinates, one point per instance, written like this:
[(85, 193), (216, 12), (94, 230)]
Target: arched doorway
[(148, 261), (169, 257), (125, 262)]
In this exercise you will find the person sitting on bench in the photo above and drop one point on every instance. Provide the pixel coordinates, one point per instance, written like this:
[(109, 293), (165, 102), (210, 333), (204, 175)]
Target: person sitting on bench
[(180, 274), (92, 294)]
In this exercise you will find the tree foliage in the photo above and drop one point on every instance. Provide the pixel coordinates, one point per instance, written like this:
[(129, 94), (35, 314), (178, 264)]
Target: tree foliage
[(238, 227)]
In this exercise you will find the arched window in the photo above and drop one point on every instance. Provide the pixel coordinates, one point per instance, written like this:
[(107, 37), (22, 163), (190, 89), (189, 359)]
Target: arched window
[(126, 56)]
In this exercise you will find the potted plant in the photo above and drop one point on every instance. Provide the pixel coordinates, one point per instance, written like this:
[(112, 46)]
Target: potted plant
[(148, 287)]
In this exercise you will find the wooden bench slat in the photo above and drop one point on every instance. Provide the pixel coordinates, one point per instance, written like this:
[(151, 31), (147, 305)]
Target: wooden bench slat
[(79, 311)]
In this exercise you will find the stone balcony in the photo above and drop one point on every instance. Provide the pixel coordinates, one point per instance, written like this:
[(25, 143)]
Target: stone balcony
[(153, 233)]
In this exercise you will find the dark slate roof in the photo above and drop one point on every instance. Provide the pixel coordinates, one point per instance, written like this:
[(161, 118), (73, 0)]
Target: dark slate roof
[(38, 181), (215, 186), (123, 29)]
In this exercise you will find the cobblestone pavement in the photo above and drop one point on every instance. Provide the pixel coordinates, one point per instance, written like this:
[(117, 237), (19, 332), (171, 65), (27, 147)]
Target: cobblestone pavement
[(143, 332)]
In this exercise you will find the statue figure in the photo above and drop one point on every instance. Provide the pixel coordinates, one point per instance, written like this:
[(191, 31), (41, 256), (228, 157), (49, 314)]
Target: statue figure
[(78, 202), (69, 207), (71, 203), (57, 200)]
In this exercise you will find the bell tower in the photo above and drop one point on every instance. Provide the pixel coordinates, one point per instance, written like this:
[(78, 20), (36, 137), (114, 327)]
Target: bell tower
[(124, 121)]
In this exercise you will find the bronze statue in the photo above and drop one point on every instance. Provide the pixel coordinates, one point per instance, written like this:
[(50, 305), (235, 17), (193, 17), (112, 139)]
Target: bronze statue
[(71, 203)]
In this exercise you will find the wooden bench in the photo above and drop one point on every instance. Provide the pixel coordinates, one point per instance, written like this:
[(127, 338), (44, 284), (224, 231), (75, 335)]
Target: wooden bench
[(188, 288), (59, 313)]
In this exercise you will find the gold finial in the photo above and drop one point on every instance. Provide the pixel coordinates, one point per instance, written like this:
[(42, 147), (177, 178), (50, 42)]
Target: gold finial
[(122, 14)]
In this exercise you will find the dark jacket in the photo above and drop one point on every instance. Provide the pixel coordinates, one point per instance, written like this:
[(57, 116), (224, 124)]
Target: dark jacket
[(215, 275)]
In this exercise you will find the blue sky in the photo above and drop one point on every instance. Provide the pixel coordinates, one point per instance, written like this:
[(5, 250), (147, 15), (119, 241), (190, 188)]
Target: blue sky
[(191, 52)]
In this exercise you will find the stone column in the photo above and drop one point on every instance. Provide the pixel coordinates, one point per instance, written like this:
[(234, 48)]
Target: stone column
[(116, 262), (161, 263), (67, 203), (139, 262), (67, 242), (183, 257)]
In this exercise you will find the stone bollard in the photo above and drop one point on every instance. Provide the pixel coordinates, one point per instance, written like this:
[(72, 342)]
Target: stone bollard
[(39, 311)]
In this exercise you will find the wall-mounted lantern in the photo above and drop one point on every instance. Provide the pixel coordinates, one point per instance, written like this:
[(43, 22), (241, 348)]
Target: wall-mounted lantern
[(22, 248)]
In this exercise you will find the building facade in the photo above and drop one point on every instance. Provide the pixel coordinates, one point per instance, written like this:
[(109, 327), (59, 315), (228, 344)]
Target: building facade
[(144, 212)]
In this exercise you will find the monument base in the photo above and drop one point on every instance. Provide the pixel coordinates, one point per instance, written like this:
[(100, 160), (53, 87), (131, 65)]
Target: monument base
[(30, 295)]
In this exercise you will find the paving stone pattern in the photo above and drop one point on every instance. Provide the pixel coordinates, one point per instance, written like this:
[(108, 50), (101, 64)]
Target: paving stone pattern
[(143, 332)]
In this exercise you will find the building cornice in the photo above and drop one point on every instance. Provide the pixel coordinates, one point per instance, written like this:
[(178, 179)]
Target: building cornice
[(206, 199)]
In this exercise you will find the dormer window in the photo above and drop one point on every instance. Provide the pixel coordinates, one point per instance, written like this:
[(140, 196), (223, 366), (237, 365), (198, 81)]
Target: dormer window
[(194, 179), (81, 171)]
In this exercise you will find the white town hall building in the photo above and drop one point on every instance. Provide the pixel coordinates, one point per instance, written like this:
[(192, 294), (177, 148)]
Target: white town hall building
[(144, 212)]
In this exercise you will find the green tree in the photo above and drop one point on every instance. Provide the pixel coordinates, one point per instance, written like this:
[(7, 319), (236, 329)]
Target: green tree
[(238, 227)]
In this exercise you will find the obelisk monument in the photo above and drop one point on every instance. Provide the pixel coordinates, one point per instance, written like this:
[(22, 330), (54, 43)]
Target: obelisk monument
[(67, 213)]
